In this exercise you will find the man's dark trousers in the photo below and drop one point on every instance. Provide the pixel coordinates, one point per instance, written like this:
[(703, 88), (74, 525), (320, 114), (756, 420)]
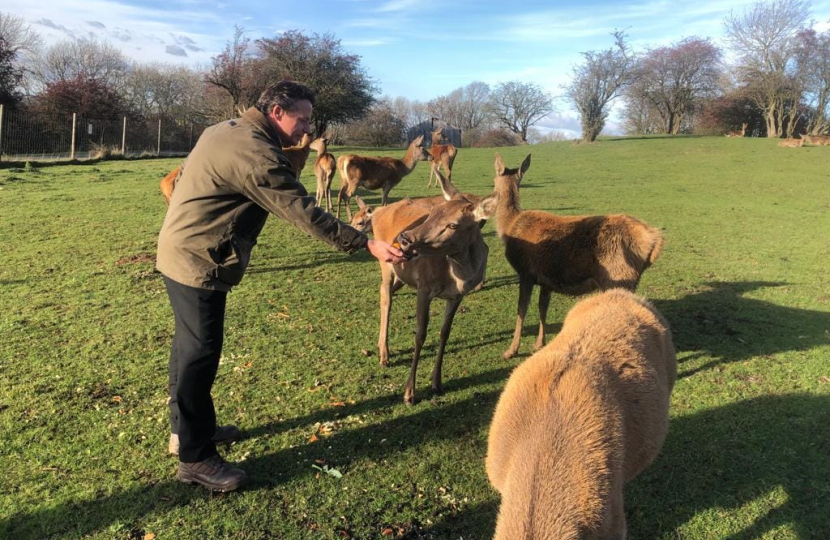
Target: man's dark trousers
[(194, 359)]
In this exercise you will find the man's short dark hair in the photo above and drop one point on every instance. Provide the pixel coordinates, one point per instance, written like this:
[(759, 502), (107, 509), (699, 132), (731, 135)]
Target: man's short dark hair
[(286, 94)]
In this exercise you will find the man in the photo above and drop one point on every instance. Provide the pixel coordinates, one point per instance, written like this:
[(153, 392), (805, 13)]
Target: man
[(235, 176)]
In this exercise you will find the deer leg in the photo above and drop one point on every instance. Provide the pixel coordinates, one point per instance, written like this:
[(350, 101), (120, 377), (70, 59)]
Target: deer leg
[(386, 290), (422, 316), (320, 181), (525, 290), (544, 302), (340, 196), (449, 315), (431, 173), (328, 192), (385, 195)]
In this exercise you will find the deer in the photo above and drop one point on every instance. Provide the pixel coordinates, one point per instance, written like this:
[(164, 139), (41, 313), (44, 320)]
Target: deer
[(581, 418), (817, 140), (443, 155), (362, 219), (376, 172), (447, 258), (740, 133), (324, 168), (791, 143), (571, 255), (297, 156)]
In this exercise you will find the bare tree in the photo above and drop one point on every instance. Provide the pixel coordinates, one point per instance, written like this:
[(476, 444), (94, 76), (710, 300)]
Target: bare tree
[(410, 112), (670, 82), (765, 37), (813, 55), (597, 81), (380, 127), (235, 71), (164, 89), (18, 35), (74, 59), (517, 106)]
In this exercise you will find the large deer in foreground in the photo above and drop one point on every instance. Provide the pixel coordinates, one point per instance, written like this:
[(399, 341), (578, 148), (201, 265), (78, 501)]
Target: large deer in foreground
[(324, 168), (567, 254), (443, 155), (297, 156), (579, 419), (376, 172), (448, 260)]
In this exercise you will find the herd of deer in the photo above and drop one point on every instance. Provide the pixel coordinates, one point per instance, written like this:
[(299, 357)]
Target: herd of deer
[(789, 142), (584, 414)]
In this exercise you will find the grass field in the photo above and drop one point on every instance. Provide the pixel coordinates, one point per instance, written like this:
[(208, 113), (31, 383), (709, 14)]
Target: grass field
[(85, 327)]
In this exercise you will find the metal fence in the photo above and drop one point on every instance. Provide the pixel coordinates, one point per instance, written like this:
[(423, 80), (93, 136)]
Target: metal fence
[(27, 136)]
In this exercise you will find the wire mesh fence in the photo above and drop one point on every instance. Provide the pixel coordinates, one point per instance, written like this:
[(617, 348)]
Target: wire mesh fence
[(28, 136)]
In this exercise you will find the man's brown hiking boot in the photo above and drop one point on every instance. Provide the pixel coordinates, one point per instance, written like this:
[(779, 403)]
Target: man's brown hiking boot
[(213, 473), (224, 434)]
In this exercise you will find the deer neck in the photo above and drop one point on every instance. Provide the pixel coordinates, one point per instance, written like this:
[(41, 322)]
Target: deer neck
[(408, 162), (468, 264), (508, 207)]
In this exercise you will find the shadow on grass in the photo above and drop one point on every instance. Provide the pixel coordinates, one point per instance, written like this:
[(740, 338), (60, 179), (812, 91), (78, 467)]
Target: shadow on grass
[(723, 323), (725, 458), (431, 422)]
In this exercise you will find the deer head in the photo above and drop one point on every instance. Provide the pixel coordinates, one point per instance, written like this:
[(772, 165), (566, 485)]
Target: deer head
[(319, 145), (417, 151), (503, 172), (449, 228), (437, 136), (362, 220)]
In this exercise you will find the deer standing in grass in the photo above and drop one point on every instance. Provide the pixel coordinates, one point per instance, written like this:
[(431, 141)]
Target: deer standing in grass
[(448, 260), (443, 155), (297, 156), (579, 419), (382, 173), (740, 133), (324, 168), (571, 255)]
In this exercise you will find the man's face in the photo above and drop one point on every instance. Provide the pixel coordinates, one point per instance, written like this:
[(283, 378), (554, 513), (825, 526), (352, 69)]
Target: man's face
[(291, 125)]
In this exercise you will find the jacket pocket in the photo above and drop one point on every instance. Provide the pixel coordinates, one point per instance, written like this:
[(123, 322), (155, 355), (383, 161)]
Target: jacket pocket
[(232, 255)]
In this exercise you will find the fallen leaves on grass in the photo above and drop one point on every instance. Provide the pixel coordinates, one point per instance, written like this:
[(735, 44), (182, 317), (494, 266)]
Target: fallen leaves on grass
[(328, 470)]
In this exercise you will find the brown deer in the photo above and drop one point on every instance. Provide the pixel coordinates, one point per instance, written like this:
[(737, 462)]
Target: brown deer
[(579, 419), (448, 259), (324, 168), (571, 255), (817, 140), (297, 156), (740, 133), (376, 172), (443, 155), (362, 219), (791, 143)]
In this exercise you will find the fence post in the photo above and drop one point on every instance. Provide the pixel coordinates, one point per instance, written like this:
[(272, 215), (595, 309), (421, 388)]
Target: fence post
[(72, 149), (124, 137), (158, 147), (1, 131)]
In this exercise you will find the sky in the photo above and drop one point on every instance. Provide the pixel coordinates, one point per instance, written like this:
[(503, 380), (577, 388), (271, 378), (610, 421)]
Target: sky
[(412, 48)]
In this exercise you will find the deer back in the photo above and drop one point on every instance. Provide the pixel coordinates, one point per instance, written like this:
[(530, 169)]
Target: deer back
[(580, 418)]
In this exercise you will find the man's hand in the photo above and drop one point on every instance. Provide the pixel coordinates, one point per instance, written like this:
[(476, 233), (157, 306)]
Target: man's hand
[(385, 252)]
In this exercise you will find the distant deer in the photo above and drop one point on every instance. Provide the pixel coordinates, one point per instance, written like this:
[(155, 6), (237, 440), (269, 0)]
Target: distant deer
[(579, 419), (571, 255), (324, 168), (297, 156), (817, 140), (740, 133), (376, 172), (791, 143), (448, 260), (443, 155)]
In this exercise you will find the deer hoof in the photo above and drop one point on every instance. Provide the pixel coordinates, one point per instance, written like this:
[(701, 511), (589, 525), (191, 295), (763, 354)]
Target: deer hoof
[(409, 399), (509, 353), (438, 391)]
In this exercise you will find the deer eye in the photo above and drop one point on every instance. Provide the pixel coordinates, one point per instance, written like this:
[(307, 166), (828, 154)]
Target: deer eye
[(453, 226)]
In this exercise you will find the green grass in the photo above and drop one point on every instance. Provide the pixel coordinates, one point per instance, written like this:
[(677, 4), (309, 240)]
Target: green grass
[(85, 327)]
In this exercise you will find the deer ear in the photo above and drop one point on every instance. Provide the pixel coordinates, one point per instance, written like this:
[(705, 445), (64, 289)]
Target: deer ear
[(486, 207), (447, 189), (499, 164), (360, 203), (525, 166), (418, 140)]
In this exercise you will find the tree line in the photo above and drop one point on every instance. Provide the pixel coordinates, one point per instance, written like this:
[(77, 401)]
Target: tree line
[(777, 81)]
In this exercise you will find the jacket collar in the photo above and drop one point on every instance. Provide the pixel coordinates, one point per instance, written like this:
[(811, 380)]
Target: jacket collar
[(260, 122)]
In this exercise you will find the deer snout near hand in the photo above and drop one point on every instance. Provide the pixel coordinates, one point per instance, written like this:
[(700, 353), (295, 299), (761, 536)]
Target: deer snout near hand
[(405, 243)]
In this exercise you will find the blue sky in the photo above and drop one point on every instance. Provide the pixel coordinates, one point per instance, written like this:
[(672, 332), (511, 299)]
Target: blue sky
[(413, 48)]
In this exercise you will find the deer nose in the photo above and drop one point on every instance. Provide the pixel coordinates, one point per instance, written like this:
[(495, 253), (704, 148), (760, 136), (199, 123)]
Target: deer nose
[(404, 241)]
